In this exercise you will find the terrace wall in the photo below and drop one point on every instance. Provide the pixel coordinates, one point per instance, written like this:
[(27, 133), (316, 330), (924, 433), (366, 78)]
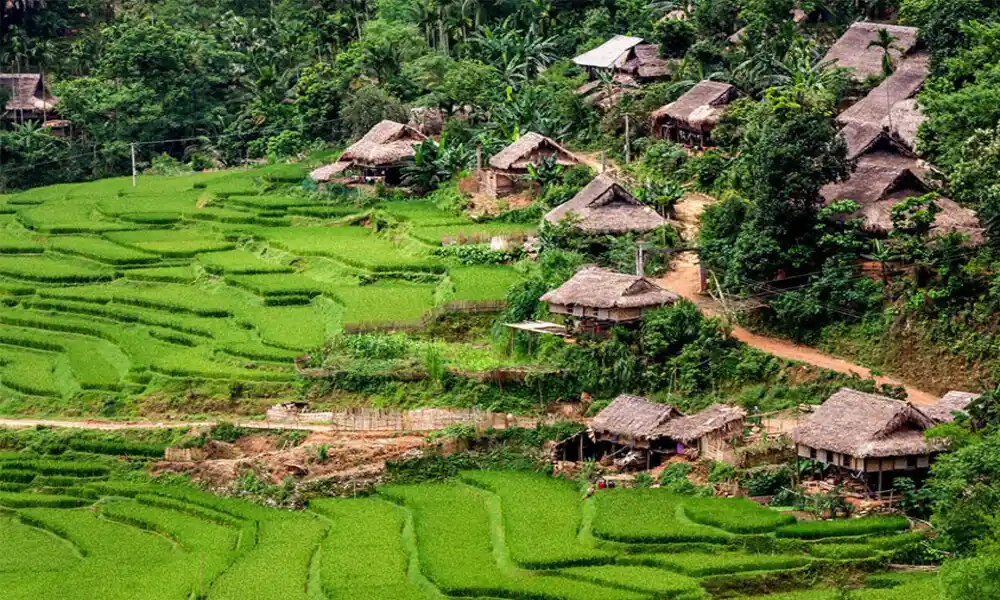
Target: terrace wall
[(425, 419)]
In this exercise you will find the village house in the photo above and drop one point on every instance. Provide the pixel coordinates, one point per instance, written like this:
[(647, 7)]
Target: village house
[(629, 60), (949, 404), (711, 434), (596, 299), (689, 120), (604, 206), (508, 168), (379, 155), (873, 437), (28, 97), (854, 49)]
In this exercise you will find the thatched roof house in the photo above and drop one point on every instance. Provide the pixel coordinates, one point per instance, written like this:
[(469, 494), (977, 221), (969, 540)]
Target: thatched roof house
[(949, 404), (387, 145), (867, 432), (903, 123), (633, 421), (691, 118), (609, 55), (607, 296), (645, 63), (883, 180), (508, 166), (28, 96), (852, 50), (864, 122), (604, 206), (711, 431)]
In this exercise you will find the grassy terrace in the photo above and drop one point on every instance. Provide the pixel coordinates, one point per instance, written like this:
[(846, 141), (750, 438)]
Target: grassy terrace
[(213, 277), (69, 532)]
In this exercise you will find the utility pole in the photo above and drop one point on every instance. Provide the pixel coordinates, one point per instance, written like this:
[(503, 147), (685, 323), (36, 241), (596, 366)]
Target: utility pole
[(133, 165)]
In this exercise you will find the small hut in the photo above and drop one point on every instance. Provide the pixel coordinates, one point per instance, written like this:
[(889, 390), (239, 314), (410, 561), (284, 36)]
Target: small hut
[(903, 123), (868, 435), (883, 180), (610, 55), (949, 404), (631, 429), (379, 155), (853, 49), (595, 299), (604, 206), (509, 166), (713, 433), (691, 118), (28, 97)]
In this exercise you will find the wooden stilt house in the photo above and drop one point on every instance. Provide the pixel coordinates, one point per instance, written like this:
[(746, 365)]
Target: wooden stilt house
[(604, 206), (690, 119), (509, 167), (28, 98), (379, 155)]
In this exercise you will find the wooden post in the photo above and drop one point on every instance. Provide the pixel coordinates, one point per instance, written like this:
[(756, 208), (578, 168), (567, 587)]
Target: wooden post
[(580, 455), (133, 165), (628, 146), (880, 478)]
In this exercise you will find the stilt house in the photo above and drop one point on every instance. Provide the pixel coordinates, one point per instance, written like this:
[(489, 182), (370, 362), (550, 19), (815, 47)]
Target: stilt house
[(595, 299), (28, 97), (690, 119), (604, 206), (628, 55), (509, 166), (379, 155), (711, 434), (854, 50)]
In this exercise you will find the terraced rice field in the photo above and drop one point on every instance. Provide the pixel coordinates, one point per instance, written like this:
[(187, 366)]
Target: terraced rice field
[(213, 277), (75, 535)]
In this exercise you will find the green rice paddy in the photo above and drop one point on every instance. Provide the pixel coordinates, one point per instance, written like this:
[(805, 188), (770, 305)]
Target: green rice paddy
[(75, 536), (211, 277)]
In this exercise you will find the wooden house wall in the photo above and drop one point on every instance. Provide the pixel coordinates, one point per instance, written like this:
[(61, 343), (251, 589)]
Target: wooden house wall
[(868, 465)]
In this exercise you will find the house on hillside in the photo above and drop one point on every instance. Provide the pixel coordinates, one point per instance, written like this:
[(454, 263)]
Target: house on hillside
[(596, 299), (867, 124), (853, 49), (711, 434), (508, 167), (28, 97), (690, 119), (872, 437), (884, 179), (629, 60), (902, 125), (379, 155), (604, 206), (632, 422), (949, 404)]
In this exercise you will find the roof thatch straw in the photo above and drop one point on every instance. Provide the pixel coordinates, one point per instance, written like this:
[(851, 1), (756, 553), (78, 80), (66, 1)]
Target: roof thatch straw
[(328, 172), (852, 50), (529, 149), (700, 108), (883, 180), (866, 425), (385, 144), (633, 417), (595, 287), (903, 123), (698, 425), (645, 62), (604, 206), (949, 404), (427, 120), (610, 54), (26, 92)]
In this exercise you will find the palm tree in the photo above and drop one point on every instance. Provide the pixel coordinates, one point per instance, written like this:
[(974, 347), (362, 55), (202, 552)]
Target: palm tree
[(884, 40)]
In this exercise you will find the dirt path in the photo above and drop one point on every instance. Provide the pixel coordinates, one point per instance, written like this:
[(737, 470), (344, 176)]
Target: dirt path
[(685, 280)]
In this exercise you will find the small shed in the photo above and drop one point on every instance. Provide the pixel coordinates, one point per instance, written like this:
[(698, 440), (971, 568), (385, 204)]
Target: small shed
[(379, 155), (949, 404), (713, 433), (868, 434), (604, 206), (610, 55), (853, 49), (883, 180), (509, 166), (28, 99), (596, 299), (691, 118)]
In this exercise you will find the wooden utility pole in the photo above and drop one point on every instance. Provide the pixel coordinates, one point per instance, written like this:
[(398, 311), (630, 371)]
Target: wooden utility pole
[(133, 165)]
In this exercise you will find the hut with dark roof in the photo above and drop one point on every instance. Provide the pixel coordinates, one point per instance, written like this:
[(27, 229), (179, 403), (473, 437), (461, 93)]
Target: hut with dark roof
[(380, 154), (884, 179), (853, 49), (624, 54), (28, 97), (691, 118), (632, 421), (711, 434), (596, 299), (509, 166), (951, 403), (604, 206), (868, 435)]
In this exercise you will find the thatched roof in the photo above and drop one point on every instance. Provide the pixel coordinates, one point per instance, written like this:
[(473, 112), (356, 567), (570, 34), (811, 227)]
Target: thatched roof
[(427, 120), (713, 418), (866, 425), (594, 287), (328, 172), (950, 403), (633, 417), (852, 50), (604, 206), (610, 54), (883, 180), (26, 92), (529, 149), (863, 121), (903, 122), (386, 144), (644, 61), (700, 108)]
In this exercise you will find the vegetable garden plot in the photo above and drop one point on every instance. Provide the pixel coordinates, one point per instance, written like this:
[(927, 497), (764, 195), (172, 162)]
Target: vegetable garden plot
[(101, 250), (52, 269), (355, 246), (735, 515), (178, 243), (651, 516), (240, 262)]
